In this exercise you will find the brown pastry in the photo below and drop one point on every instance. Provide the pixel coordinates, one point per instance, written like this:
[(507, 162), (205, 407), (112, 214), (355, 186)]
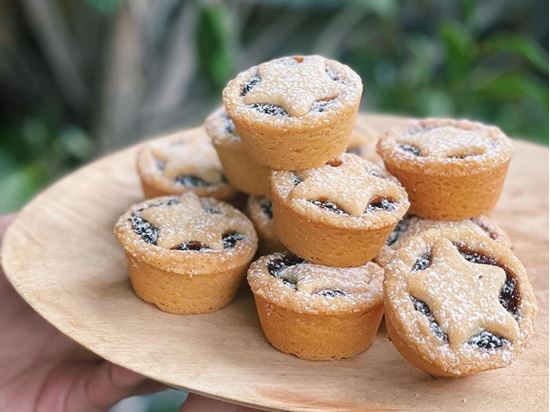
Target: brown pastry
[(316, 312), (452, 169), (182, 162), (188, 254), (457, 302), (241, 170), (295, 112), (412, 225), (339, 214), (260, 211)]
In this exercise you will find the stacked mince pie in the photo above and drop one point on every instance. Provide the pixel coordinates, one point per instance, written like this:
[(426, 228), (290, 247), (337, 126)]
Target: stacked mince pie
[(346, 226)]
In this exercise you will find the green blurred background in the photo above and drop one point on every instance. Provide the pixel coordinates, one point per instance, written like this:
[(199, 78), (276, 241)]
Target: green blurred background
[(79, 78)]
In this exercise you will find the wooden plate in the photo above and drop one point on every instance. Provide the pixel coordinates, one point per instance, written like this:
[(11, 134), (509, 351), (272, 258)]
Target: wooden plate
[(61, 256)]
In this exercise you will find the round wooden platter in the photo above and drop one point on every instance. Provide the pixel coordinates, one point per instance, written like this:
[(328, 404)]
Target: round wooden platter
[(61, 256)]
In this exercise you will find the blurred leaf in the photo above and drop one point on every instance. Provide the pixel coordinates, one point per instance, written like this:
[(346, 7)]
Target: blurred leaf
[(21, 184), (213, 45), (459, 48), (510, 86), (520, 46), (104, 6)]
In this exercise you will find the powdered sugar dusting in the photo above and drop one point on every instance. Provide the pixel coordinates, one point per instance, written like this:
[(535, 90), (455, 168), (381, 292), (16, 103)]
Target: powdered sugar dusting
[(351, 185), (309, 288)]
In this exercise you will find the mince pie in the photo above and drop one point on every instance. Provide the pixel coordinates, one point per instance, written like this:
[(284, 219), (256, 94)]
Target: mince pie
[(186, 254), (457, 302), (316, 312), (452, 169), (294, 112), (260, 211), (338, 214), (181, 163), (412, 225), (241, 170)]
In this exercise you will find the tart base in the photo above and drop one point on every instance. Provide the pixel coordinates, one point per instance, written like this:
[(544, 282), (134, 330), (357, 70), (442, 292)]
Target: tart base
[(297, 148), (181, 293), (325, 244), (243, 172), (451, 197), (318, 337)]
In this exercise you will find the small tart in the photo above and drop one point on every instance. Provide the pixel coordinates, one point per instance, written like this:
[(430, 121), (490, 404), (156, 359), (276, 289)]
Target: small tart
[(457, 302), (296, 112), (241, 170), (259, 209), (363, 143), (316, 312), (338, 214), (179, 163), (412, 225), (452, 169), (186, 254)]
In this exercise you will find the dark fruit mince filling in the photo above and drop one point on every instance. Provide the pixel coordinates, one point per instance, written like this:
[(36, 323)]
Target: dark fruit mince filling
[(321, 105), (192, 181), (230, 239), (509, 295), (229, 125), (191, 245), (330, 206), (488, 341), (423, 262), (296, 179), (357, 150), (331, 293), (410, 149), (250, 85), (484, 227), (421, 306), (276, 265), (267, 207), (396, 233), (385, 204), (270, 109)]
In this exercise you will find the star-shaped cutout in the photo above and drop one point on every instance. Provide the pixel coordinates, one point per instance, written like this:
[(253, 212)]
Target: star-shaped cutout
[(193, 156), (463, 296), (293, 86), (346, 183), (447, 141), (187, 221)]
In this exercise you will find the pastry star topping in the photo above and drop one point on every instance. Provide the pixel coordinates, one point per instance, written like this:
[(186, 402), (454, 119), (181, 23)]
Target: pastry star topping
[(463, 296), (447, 141), (194, 156), (187, 221), (350, 186), (312, 278), (294, 87)]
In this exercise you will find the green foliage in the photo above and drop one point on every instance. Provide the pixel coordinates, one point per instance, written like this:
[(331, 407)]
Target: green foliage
[(481, 60)]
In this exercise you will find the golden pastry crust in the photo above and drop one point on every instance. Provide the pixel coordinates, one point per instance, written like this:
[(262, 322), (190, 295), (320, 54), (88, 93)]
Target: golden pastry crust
[(179, 163), (452, 169), (457, 302), (412, 225), (316, 312), (243, 172), (260, 212), (338, 214), (186, 254), (363, 143), (294, 113)]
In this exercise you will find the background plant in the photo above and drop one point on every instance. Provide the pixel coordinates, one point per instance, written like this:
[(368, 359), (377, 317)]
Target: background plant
[(79, 78)]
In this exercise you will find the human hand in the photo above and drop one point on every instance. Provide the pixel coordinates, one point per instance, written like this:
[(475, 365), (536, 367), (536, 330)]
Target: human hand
[(43, 370)]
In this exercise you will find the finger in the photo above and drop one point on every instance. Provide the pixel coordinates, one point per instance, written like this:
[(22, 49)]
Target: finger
[(196, 403), (5, 220), (104, 386)]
